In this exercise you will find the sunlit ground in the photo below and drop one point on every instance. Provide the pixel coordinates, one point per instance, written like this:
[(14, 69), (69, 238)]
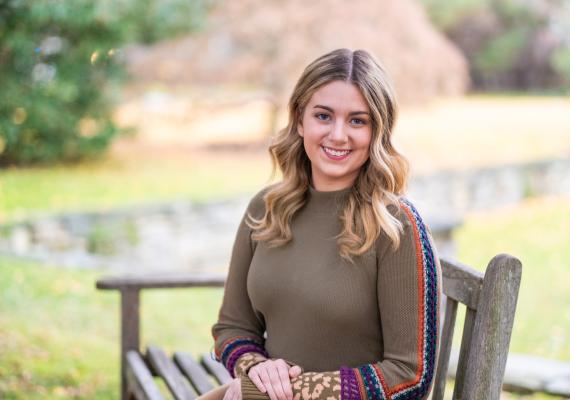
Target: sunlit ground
[(172, 156), (476, 130), (485, 130)]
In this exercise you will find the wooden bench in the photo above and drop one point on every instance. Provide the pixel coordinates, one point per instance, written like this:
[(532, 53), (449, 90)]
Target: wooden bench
[(490, 302)]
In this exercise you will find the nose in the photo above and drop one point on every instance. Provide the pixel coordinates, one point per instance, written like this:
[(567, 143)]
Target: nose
[(338, 132)]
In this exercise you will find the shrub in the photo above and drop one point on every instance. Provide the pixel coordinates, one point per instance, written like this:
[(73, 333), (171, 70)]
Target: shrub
[(60, 66)]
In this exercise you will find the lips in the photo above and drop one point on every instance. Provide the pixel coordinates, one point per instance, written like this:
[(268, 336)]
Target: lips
[(336, 152)]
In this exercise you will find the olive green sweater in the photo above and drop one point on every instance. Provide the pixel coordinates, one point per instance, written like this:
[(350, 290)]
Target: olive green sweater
[(363, 331)]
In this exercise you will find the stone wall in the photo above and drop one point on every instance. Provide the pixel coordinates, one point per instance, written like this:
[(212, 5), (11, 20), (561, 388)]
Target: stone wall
[(198, 237), (449, 194)]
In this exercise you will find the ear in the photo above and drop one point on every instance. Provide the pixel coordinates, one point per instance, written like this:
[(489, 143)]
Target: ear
[(300, 128)]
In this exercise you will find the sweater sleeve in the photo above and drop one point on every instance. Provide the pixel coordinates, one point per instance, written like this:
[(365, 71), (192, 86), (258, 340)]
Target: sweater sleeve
[(409, 291), (238, 332)]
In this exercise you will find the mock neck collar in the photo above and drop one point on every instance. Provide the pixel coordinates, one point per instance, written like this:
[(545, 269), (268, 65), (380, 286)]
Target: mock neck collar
[(327, 196)]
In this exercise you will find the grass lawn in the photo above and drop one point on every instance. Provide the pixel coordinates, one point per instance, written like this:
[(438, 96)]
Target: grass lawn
[(538, 233), (166, 162), (59, 336), (134, 176)]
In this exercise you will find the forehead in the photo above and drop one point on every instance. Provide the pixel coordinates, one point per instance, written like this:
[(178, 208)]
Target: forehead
[(340, 96)]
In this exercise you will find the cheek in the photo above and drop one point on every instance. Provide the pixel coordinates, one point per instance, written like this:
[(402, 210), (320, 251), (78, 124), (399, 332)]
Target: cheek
[(364, 146), (313, 130), (365, 141)]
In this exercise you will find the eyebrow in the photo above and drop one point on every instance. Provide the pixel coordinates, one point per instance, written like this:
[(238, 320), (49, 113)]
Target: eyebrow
[(331, 110)]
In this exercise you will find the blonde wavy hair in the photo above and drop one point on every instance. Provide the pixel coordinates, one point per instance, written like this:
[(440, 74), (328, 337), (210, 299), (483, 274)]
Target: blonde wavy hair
[(381, 180)]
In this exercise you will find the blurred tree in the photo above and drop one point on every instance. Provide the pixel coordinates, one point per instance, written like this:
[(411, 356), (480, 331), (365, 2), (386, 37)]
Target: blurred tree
[(445, 14), (561, 58), (510, 44), (59, 63)]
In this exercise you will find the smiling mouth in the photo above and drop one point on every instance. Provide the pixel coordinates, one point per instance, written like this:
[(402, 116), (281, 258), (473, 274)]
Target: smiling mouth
[(336, 153)]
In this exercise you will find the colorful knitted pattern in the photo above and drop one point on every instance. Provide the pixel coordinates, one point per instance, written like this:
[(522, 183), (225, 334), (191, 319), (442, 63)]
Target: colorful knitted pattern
[(367, 381), (233, 348)]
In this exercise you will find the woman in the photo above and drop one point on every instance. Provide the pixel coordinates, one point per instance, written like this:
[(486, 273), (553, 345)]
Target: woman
[(334, 284)]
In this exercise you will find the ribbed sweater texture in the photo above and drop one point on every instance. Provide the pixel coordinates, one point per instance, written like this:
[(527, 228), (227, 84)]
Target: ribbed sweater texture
[(373, 326)]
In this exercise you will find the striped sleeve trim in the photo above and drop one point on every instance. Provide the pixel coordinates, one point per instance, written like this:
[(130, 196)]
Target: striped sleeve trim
[(349, 387), (230, 350), (369, 377)]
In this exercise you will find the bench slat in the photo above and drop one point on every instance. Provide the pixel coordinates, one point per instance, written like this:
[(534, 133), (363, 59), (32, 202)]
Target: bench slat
[(445, 349), (464, 352), (165, 368), (216, 369), (139, 380), (195, 373)]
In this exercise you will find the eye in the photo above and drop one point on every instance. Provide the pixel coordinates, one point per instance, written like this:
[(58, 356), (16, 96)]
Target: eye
[(358, 121), (322, 116)]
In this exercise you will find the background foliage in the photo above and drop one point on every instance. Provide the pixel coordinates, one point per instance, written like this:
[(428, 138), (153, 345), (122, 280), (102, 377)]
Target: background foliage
[(59, 63), (510, 44)]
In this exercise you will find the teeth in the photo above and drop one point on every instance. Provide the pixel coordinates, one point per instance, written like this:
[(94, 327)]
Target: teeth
[(335, 152)]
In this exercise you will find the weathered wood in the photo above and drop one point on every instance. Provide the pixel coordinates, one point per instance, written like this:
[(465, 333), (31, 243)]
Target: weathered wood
[(492, 331), (216, 369), (130, 325), (129, 287), (140, 382), (490, 301), (464, 351), (461, 282), (445, 349), (195, 373), (160, 282), (165, 368)]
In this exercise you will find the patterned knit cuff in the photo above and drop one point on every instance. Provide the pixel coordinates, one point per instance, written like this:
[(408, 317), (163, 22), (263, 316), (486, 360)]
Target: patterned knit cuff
[(247, 361), (372, 383), (349, 389), (235, 347)]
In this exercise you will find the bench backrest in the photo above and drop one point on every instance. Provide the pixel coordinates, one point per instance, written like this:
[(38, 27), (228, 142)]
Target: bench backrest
[(490, 302)]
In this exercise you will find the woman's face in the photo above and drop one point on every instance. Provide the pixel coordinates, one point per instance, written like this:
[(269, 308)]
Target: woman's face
[(337, 129)]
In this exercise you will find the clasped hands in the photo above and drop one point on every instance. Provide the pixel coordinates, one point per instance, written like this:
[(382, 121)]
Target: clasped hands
[(271, 376)]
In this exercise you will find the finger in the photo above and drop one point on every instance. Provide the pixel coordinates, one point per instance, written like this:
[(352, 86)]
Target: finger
[(268, 385), (236, 390), (295, 371), (285, 381), (228, 393), (254, 376), (275, 375)]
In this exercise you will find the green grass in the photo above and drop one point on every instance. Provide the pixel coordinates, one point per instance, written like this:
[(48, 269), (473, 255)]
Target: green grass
[(538, 233), (167, 164), (59, 336), (134, 180)]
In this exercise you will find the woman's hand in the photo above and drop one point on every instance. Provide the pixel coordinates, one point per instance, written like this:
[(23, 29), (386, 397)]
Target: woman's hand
[(274, 378), (234, 390)]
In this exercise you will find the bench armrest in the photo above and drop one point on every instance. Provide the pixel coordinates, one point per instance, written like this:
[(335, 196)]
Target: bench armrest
[(130, 286), (162, 281)]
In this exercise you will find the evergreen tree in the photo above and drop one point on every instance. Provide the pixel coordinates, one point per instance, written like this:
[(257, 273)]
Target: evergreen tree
[(59, 63)]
